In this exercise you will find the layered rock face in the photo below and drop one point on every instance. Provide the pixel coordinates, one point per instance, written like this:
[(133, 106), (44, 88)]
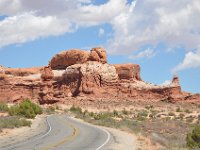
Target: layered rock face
[(128, 71), (89, 78), (76, 73), (15, 88), (46, 94)]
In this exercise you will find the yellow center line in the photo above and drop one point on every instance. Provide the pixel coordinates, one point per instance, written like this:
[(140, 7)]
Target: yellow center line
[(65, 139)]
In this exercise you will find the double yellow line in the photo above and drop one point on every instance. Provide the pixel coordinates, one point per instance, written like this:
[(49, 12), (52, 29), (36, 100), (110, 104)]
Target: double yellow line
[(67, 138)]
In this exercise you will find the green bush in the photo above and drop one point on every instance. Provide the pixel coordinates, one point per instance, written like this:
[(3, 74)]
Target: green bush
[(3, 107), (26, 109), (76, 109), (193, 139)]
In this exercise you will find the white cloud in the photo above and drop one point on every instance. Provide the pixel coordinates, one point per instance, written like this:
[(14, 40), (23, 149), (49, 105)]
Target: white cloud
[(101, 32), (148, 53), (134, 25), (88, 15), (27, 27), (174, 23), (191, 60), (52, 18), (165, 83)]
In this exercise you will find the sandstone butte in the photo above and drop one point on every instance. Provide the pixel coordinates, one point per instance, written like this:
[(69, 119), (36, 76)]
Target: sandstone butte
[(77, 73)]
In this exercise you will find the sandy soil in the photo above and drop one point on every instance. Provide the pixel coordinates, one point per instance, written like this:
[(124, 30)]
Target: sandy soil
[(122, 140), (12, 136)]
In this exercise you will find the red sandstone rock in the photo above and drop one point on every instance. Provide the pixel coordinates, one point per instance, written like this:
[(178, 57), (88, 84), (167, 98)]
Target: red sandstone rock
[(46, 95), (175, 81), (22, 71), (128, 71), (98, 54), (68, 58), (47, 73), (75, 56), (85, 74)]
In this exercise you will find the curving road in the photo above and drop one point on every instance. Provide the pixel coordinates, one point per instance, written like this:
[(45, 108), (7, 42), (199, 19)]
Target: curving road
[(65, 133)]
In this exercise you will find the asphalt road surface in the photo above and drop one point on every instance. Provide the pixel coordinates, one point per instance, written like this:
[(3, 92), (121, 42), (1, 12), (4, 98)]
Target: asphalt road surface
[(65, 133)]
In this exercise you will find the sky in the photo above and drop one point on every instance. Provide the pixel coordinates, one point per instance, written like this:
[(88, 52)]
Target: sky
[(163, 37)]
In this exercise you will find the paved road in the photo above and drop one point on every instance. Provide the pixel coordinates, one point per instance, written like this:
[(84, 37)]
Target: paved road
[(66, 134)]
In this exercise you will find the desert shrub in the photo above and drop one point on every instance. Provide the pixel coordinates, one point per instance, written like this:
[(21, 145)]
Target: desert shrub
[(193, 139), (125, 112), (91, 114), (3, 107), (178, 109), (13, 122), (26, 109), (103, 116), (141, 116), (115, 113), (167, 118), (85, 112), (108, 122), (143, 113), (171, 114), (181, 116), (188, 111), (76, 110), (149, 107)]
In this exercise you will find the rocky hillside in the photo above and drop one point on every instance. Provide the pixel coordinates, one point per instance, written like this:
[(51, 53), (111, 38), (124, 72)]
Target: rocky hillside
[(77, 73)]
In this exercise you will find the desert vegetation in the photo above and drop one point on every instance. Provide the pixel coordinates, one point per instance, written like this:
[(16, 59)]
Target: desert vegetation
[(25, 109), (193, 138), (13, 122), (18, 114), (170, 129), (3, 107)]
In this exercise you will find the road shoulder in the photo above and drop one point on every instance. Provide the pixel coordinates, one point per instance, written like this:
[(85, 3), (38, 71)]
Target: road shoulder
[(16, 135)]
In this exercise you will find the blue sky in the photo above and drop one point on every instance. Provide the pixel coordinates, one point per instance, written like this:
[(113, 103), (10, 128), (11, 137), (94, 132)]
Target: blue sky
[(161, 37)]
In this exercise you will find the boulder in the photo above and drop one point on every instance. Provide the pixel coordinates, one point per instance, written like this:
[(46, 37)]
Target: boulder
[(98, 54), (67, 58), (75, 56)]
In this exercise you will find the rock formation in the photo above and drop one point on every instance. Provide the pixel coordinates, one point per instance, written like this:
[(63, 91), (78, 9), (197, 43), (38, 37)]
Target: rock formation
[(46, 94), (98, 54), (128, 71), (76, 73), (70, 57)]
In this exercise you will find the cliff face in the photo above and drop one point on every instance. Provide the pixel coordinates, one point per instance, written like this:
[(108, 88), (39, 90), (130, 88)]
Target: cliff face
[(76, 73)]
